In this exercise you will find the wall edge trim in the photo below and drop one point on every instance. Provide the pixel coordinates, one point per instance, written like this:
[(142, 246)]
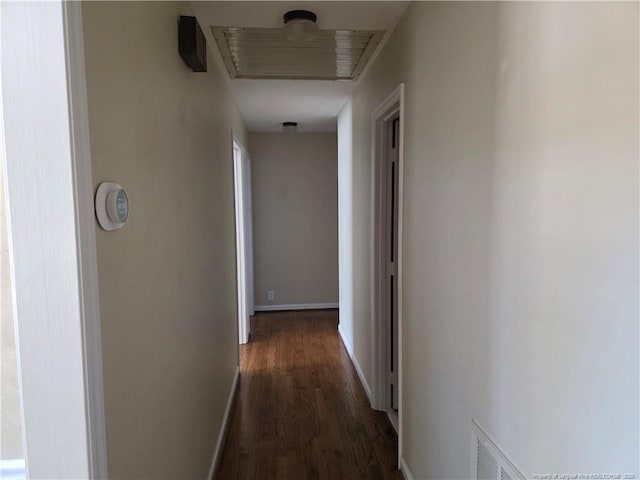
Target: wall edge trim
[(356, 365), (226, 420), (404, 469), (295, 306)]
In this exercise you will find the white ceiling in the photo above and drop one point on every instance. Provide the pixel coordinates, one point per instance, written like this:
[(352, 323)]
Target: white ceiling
[(314, 104)]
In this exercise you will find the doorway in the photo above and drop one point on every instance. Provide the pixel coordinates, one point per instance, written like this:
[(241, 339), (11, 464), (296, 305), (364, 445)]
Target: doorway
[(387, 121), (244, 239), (390, 313)]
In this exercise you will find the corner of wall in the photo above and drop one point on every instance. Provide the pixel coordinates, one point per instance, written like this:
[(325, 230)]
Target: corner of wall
[(363, 380)]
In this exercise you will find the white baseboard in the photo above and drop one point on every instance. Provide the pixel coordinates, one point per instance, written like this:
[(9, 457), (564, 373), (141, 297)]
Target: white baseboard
[(225, 426), (404, 469), (393, 419), (298, 306), (363, 380)]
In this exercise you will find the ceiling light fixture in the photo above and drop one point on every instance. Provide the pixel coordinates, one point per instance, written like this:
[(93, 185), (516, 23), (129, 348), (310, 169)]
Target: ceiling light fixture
[(289, 126), (300, 25)]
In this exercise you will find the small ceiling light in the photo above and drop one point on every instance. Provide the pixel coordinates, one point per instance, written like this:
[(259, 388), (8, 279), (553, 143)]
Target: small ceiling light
[(300, 25), (289, 126)]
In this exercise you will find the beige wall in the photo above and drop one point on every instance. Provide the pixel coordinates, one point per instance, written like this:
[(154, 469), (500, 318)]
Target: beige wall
[(295, 218), (167, 279), (520, 232)]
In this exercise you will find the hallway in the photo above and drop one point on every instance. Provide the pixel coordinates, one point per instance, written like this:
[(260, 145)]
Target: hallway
[(300, 410), (171, 167)]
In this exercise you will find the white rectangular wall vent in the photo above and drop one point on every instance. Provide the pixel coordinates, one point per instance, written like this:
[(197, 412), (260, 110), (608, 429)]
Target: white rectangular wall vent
[(504, 475), (488, 461), (486, 464)]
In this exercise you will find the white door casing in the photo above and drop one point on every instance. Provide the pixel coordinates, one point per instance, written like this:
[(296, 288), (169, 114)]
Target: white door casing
[(47, 162), (248, 221), (390, 108), (244, 242)]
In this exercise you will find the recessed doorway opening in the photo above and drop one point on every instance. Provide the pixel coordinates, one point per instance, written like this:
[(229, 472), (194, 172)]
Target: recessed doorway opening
[(387, 123), (244, 239)]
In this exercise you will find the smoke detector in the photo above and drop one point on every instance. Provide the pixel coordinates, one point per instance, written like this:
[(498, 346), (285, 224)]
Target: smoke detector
[(289, 126), (300, 25)]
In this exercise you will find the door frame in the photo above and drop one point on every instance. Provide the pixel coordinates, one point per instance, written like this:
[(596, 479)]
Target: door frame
[(44, 142), (244, 241), (392, 106), (248, 219)]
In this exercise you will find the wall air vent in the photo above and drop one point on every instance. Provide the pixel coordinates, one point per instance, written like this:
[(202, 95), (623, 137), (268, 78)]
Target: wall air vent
[(486, 464), (488, 461), (269, 53), (504, 475), (192, 44)]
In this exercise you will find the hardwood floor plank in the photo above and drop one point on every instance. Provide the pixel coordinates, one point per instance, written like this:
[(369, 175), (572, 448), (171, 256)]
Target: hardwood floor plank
[(301, 412)]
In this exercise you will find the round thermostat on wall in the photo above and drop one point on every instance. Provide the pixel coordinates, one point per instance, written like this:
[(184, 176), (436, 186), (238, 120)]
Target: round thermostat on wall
[(112, 206)]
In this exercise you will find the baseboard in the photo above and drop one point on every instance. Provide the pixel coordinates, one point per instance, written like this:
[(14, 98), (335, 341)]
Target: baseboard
[(393, 419), (298, 306), (404, 469), (363, 380), (225, 426)]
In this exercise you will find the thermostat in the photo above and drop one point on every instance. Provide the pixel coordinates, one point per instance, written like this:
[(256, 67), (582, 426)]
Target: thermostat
[(112, 206)]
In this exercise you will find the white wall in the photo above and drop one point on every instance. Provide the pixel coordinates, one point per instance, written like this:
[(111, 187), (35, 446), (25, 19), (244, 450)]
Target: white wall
[(521, 232), (295, 218), (10, 428), (564, 251), (168, 278), (345, 219)]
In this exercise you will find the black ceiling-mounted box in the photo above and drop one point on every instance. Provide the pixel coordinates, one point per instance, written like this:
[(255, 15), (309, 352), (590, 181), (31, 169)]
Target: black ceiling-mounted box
[(192, 44)]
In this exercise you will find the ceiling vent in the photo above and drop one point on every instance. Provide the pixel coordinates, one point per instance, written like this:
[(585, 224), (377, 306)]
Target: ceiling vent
[(314, 54)]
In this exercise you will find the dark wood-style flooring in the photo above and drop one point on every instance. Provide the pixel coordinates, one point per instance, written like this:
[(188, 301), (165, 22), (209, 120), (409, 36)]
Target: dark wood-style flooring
[(300, 411)]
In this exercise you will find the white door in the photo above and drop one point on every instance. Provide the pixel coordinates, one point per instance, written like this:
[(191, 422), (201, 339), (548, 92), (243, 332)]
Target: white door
[(392, 130)]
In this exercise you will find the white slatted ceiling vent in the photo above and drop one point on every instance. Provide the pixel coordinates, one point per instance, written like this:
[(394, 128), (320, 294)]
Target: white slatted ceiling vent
[(267, 53), (489, 462)]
